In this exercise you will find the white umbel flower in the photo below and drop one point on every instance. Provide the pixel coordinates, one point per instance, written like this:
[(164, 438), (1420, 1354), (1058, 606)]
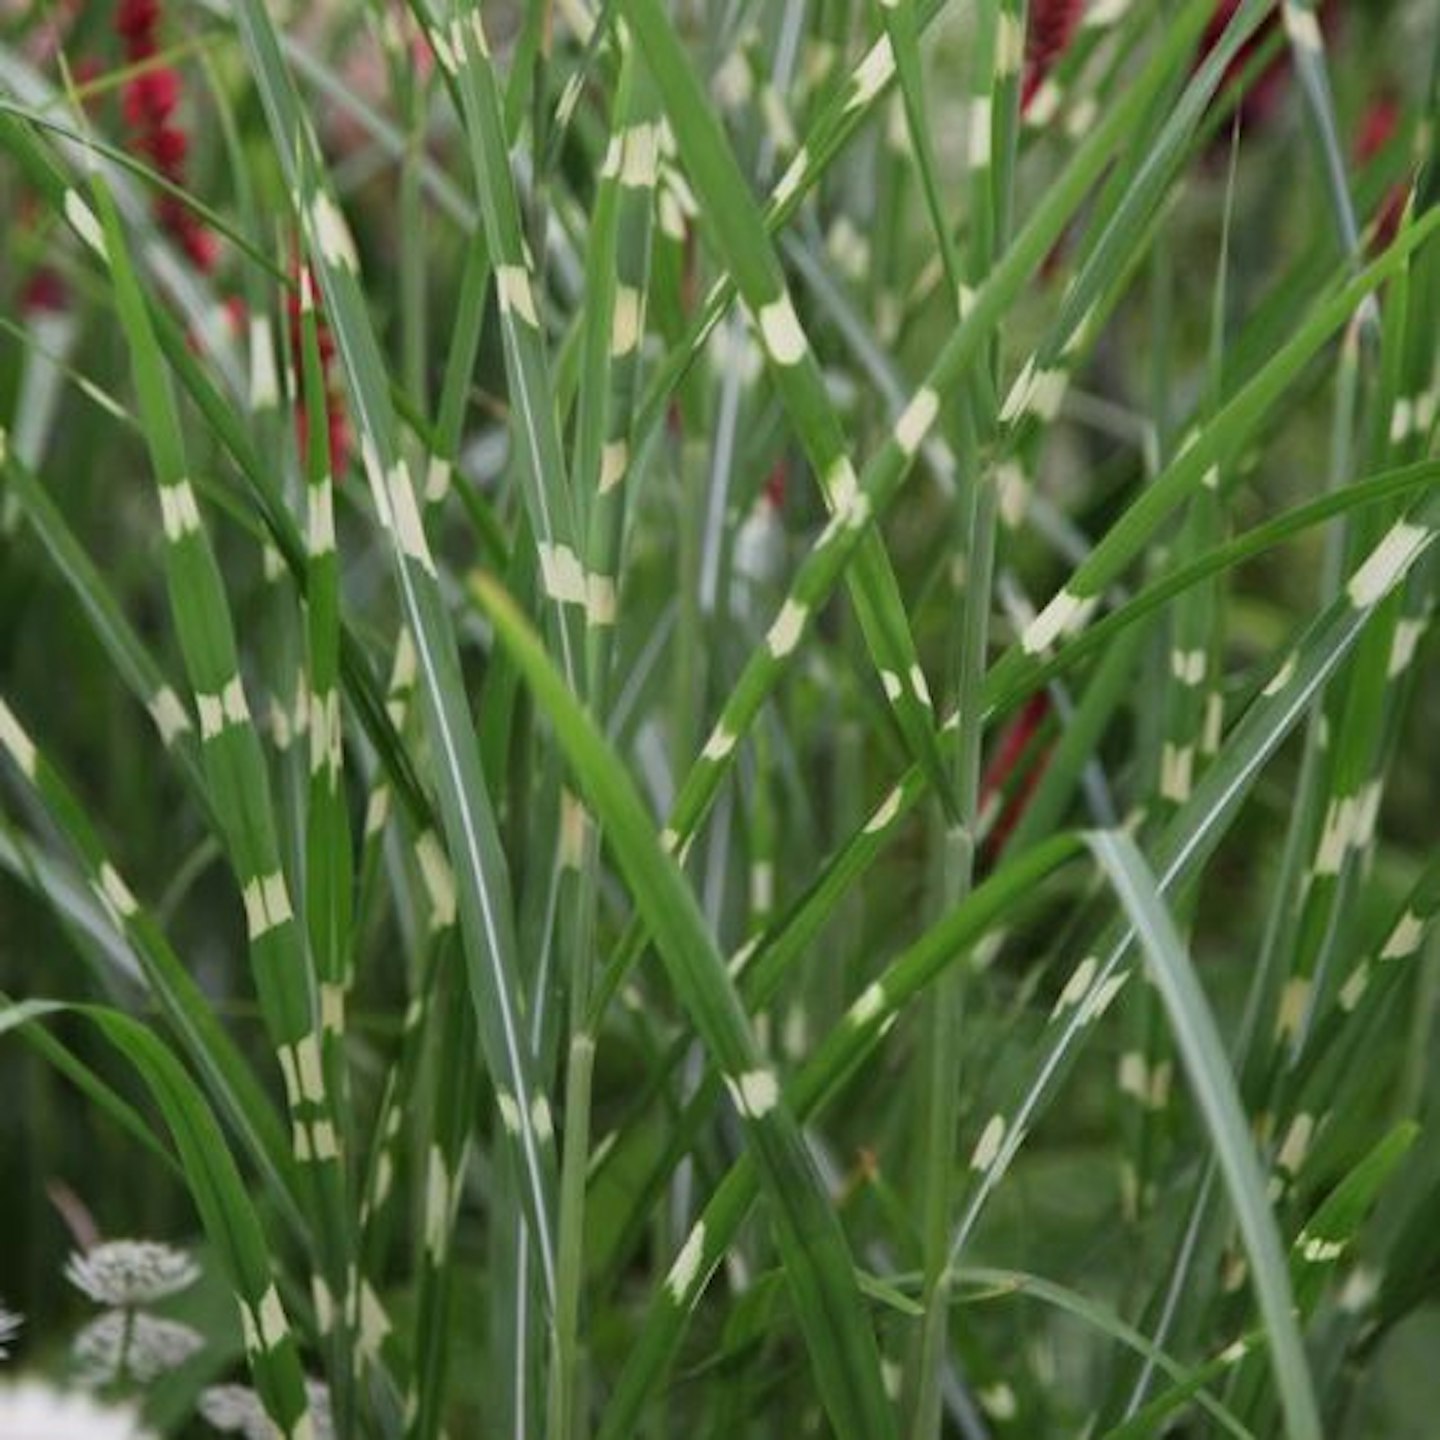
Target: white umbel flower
[(9, 1324), (236, 1409), (140, 1346), (126, 1273), (36, 1410)]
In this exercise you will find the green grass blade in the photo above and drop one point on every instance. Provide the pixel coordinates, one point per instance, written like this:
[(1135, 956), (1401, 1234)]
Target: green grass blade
[(1213, 1084), (482, 883), (737, 228), (817, 1261), (867, 1021), (465, 56), (229, 1219), (188, 1011), (995, 1284)]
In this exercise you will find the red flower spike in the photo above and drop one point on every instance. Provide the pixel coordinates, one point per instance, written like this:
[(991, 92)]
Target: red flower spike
[(136, 19), (148, 102), (235, 314), (1263, 95), (337, 426), (1014, 743), (44, 291), (422, 56), (1377, 128), (1009, 817), (1261, 99), (1387, 221), (775, 485), (172, 214), (150, 99), (337, 433), (200, 245), (1050, 29), (167, 147)]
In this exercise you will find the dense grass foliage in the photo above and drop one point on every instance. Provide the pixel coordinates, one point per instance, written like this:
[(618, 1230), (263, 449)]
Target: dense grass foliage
[(717, 719)]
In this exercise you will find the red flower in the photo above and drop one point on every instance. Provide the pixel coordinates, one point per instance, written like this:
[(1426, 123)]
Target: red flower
[(188, 231), (337, 425), (1265, 91), (44, 291), (338, 428), (150, 99), (1377, 128), (235, 315), (137, 19), (1051, 28), (1263, 94), (775, 485), (149, 102), (1009, 754), (337, 432), (1387, 220), (167, 146), (199, 244)]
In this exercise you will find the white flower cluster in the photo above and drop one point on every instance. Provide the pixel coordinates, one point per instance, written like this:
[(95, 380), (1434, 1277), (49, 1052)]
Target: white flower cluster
[(237, 1410), (32, 1409), (136, 1344), (9, 1324), (125, 1341), (125, 1273)]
